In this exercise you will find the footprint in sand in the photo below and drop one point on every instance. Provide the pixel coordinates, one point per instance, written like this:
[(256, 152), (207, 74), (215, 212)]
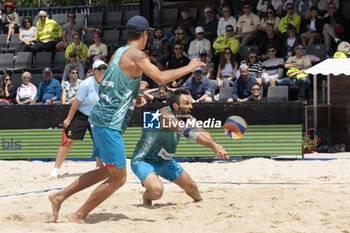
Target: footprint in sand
[(15, 217)]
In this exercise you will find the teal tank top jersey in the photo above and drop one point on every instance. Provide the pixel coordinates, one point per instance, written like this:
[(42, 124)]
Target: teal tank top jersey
[(156, 146), (118, 93)]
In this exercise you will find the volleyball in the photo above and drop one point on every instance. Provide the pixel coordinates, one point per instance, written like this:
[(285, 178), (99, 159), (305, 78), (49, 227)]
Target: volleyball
[(235, 127)]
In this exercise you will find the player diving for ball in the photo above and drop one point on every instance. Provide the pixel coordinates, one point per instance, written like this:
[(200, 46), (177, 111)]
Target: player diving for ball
[(153, 153)]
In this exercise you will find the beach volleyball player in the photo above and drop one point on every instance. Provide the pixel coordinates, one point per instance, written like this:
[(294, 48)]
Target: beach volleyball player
[(109, 118), (154, 151)]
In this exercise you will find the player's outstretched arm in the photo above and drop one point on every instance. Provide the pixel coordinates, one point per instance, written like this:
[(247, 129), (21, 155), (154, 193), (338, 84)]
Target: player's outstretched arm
[(198, 135), (166, 76)]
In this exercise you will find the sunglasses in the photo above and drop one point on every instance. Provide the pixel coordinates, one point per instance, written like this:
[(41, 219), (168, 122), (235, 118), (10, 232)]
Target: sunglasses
[(7, 79), (300, 48), (178, 48), (269, 12), (203, 55), (180, 33), (198, 72), (229, 30), (24, 78), (289, 8), (71, 17), (255, 89), (101, 68), (227, 53), (74, 72), (26, 21), (251, 57), (42, 17), (331, 7), (271, 51), (8, 7), (290, 30), (246, 7)]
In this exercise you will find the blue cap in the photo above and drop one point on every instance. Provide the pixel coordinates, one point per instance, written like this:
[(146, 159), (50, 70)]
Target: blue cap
[(97, 64), (140, 22)]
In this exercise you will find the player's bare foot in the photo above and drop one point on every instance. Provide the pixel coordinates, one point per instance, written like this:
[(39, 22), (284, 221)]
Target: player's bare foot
[(75, 219), (55, 204), (146, 201)]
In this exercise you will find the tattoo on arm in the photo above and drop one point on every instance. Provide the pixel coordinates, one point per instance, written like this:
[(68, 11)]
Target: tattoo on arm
[(143, 56)]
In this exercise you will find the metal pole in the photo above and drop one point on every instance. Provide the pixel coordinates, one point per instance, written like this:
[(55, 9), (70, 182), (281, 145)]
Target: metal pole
[(328, 89), (315, 102)]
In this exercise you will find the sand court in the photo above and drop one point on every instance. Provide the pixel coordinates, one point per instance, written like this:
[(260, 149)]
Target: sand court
[(255, 195)]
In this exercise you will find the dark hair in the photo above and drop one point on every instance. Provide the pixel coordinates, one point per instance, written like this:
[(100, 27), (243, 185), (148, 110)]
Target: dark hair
[(255, 84), (291, 27), (179, 43), (74, 34), (246, 3), (271, 46), (72, 13), (229, 26), (163, 87), (27, 18), (175, 96), (290, 4), (133, 35), (73, 68), (273, 11), (223, 59), (313, 8), (2, 86)]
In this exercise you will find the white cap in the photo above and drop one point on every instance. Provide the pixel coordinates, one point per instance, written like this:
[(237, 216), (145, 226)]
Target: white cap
[(199, 29), (97, 63)]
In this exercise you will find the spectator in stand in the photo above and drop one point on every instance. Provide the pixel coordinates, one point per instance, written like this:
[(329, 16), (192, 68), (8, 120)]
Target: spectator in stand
[(254, 66), (68, 29), (26, 92), (227, 19), (160, 48), (27, 34), (163, 91), (241, 87), (272, 68), (223, 42), (199, 44), (180, 35), (302, 7), (98, 49), (70, 88), (256, 94), (296, 66), (73, 62), (49, 90), (48, 32), (269, 38), (79, 48), (209, 24), (335, 24), (187, 22), (323, 6), (208, 69), (178, 60), (227, 70), (270, 18), (229, 40), (290, 42), (7, 91), (280, 7), (218, 7), (262, 7), (199, 87), (9, 21), (247, 25), (312, 28), (343, 50), (290, 18)]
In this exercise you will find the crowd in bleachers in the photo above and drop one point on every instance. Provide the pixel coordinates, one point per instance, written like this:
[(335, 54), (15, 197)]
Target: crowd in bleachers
[(270, 44)]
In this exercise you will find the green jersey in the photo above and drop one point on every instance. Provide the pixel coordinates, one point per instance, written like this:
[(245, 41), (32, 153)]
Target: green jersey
[(118, 93), (156, 146)]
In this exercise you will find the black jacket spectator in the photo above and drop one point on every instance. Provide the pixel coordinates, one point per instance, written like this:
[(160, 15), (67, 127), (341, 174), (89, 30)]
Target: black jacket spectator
[(210, 26), (265, 41), (318, 24)]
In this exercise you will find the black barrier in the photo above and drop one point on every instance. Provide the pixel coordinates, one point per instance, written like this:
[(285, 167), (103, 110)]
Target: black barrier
[(254, 113)]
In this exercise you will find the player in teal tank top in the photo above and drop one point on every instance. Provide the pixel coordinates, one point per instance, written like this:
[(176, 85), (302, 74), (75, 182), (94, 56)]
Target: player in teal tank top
[(153, 153), (118, 93)]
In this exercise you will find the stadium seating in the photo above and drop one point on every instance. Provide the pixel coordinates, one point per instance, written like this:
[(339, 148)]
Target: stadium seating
[(13, 44), (42, 59), (127, 15), (111, 38), (277, 93), (319, 50), (60, 18), (6, 62), (113, 20), (243, 51), (225, 93), (22, 63), (95, 19), (168, 17), (59, 62)]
